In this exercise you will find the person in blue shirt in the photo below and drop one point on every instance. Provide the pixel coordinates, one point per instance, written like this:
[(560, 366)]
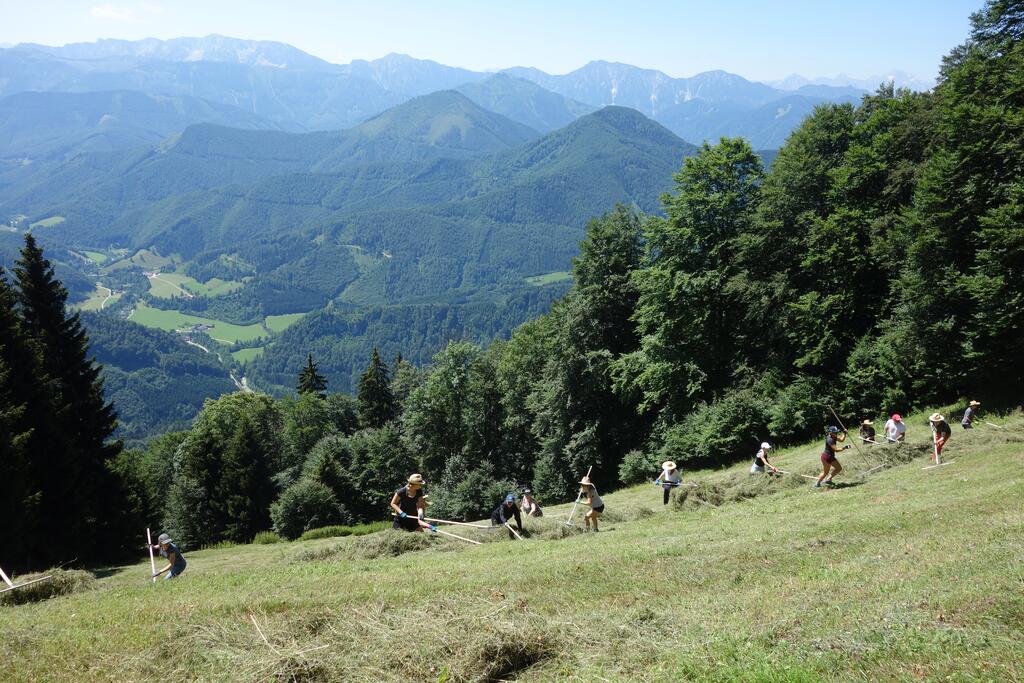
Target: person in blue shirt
[(175, 560)]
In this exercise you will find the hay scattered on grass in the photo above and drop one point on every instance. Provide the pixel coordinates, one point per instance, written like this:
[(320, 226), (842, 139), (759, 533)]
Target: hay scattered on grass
[(498, 655), (63, 582), (390, 543)]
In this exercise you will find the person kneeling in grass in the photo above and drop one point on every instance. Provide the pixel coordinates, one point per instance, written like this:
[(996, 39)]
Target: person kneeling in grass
[(175, 560), (830, 466), (588, 489), (669, 479), (409, 506), (761, 464), (506, 511), (530, 506)]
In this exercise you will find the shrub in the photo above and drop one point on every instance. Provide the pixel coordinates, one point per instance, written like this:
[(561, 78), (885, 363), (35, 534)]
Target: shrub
[(303, 506), (720, 433), (266, 538), (62, 582), (472, 497), (637, 467)]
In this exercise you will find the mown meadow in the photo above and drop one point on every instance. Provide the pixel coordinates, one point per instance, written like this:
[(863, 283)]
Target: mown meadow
[(900, 574)]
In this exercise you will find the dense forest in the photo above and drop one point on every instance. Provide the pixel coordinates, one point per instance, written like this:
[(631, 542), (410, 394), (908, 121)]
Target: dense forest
[(876, 266)]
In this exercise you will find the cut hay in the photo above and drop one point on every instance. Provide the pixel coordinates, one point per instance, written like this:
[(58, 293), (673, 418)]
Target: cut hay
[(61, 582)]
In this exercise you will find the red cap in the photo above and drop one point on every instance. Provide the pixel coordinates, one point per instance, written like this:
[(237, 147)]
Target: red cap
[(896, 417)]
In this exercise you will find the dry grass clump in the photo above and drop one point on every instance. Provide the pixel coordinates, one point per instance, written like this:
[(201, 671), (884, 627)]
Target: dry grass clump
[(732, 490), (390, 543), (62, 582), (458, 639), (499, 654)]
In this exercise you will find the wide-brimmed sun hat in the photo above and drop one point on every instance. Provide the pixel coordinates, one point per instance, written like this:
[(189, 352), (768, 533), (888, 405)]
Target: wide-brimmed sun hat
[(416, 479), (975, 403), (896, 417), (936, 417), (586, 481), (867, 423), (668, 465), (765, 446), (164, 539)]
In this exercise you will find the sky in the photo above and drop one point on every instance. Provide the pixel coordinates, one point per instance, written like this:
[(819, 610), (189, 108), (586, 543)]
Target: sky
[(755, 39)]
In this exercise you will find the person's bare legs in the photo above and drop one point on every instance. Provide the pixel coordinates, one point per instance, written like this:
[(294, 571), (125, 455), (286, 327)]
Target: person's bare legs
[(825, 467), (593, 516), (836, 469)]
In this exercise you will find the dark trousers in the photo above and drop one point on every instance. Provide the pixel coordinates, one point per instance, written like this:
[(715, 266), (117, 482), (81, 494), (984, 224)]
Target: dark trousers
[(667, 491)]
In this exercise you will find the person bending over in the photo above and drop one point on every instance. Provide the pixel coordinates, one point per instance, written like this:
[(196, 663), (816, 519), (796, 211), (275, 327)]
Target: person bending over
[(175, 560), (506, 511)]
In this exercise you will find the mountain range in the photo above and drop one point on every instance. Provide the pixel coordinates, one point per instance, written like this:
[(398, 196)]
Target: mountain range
[(298, 92), (270, 204)]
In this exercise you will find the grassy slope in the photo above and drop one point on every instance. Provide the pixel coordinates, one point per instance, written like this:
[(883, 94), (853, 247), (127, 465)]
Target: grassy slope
[(908, 574)]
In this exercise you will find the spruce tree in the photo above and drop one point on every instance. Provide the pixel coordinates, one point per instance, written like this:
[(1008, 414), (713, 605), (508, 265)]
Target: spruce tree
[(24, 420), (376, 402), (83, 504), (247, 486), (310, 379)]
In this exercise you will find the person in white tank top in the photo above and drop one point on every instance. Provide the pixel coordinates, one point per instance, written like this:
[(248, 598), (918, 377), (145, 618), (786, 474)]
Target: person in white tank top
[(592, 499)]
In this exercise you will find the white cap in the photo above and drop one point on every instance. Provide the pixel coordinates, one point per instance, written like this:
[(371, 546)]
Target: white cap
[(765, 445)]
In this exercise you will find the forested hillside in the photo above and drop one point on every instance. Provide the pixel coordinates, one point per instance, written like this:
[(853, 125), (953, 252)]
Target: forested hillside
[(874, 268)]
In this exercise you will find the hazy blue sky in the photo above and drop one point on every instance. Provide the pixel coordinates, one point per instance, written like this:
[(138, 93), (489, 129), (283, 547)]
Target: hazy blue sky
[(756, 39)]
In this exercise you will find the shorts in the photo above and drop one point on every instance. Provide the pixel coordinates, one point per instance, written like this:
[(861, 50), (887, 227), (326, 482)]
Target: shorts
[(828, 458), (405, 523), (598, 509), (967, 425), (756, 469)]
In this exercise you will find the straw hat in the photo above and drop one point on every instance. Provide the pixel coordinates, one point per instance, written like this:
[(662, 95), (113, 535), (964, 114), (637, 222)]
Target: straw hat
[(936, 417), (416, 479), (975, 403), (867, 423), (668, 465), (586, 481)]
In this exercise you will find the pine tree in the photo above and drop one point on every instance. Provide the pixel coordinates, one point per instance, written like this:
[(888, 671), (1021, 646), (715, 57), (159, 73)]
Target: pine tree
[(82, 502), (310, 379), (376, 402)]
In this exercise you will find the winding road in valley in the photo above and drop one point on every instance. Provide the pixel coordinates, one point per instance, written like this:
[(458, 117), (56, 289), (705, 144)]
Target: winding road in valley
[(243, 384)]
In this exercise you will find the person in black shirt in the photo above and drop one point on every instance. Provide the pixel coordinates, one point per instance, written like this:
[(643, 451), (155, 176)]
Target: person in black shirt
[(830, 466), (506, 511), (867, 432), (409, 506)]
